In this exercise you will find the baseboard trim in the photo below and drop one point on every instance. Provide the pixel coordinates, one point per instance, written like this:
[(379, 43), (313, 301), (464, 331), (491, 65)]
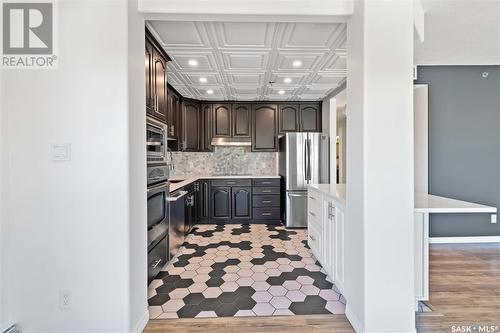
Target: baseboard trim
[(141, 324), (353, 319), (464, 240)]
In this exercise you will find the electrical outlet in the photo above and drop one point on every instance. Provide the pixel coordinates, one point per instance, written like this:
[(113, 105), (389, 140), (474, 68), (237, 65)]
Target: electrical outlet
[(64, 299), (493, 218)]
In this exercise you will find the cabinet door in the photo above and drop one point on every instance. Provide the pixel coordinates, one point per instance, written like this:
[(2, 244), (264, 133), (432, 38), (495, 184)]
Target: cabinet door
[(204, 200), (288, 118), (206, 127), (220, 199), (191, 129), (264, 127), (148, 59), (241, 120), (310, 117), (160, 86), (241, 203), (339, 270), (222, 120)]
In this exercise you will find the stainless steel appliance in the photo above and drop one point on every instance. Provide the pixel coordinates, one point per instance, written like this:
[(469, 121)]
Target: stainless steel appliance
[(177, 206), (303, 159), (156, 140), (190, 208), (158, 193)]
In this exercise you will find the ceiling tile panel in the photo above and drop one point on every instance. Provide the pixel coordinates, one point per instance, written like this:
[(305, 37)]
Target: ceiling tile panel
[(239, 60)]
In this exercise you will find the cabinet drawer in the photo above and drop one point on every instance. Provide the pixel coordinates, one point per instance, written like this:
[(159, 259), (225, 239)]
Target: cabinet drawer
[(157, 258), (266, 190), (266, 182), (266, 200), (314, 203), (269, 213), (231, 182), (314, 241)]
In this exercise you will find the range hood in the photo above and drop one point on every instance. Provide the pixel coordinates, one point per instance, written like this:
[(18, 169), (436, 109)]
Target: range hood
[(231, 142)]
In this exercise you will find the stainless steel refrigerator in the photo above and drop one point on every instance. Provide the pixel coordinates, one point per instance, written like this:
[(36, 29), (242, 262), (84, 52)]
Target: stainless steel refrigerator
[(303, 159)]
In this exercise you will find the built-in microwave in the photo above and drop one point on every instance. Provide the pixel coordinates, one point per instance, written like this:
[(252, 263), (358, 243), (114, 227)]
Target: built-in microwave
[(155, 141)]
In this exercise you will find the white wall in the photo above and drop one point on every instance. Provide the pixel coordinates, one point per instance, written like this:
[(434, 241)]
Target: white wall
[(379, 232), (464, 32), (137, 172), (4, 314), (68, 223)]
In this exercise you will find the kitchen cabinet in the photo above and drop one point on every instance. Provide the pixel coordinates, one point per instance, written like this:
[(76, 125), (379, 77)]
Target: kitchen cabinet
[(148, 59), (241, 207), (192, 131), (310, 117), (264, 127), (203, 200), (241, 120), (206, 127), (222, 120), (288, 118), (220, 202), (326, 230)]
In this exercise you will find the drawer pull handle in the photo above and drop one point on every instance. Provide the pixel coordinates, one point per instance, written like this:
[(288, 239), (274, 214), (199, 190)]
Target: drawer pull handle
[(266, 201), (312, 238), (231, 183), (312, 198), (266, 214), (267, 183), (156, 263), (312, 214), (266, 191)]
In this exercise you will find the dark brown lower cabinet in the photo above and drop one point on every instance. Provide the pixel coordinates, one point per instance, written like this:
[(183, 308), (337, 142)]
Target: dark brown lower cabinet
[(203, 200), (220, 202), (241, 207)]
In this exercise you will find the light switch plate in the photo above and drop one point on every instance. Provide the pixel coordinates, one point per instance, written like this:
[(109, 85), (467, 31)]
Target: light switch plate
[(61, 151)]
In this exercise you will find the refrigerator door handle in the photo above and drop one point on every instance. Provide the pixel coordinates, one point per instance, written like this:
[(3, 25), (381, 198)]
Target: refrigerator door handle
[(305, 160), (308, 160)]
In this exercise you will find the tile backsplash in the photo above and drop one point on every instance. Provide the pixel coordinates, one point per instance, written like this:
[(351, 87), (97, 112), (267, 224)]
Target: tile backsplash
[(225, 161)]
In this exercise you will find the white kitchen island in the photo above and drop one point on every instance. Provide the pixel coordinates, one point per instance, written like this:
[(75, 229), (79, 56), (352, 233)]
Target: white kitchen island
[(426, 204), (326, 224)]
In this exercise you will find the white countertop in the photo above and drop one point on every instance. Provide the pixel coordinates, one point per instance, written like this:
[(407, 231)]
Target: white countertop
[(337, 191), (428, 203), (424, 203), (189, 179)]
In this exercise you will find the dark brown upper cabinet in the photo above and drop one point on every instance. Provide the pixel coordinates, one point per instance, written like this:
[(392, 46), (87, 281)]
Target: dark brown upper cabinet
[(310, 117), (242, 120), (206, 127), (156, 79), (264, 127), (288, 118), (148, 58), (191, 120), (222, 120)]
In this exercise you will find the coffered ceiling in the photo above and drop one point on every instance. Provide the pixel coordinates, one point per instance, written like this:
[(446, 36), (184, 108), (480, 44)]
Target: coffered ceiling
[(236, 61)]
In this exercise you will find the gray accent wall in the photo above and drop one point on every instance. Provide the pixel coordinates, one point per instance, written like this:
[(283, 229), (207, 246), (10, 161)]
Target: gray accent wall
[(464, 144)]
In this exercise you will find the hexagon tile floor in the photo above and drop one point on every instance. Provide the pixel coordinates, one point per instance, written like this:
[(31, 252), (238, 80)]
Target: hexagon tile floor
[(243, 270)]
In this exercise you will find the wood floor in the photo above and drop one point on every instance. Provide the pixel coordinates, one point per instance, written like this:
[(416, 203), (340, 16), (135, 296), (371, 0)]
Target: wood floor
[(464, 287), (464, 284)]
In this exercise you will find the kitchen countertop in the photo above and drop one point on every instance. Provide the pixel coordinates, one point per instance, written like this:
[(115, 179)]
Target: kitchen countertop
[(190, 179), (337, 191), (424, 203), (428, 203)]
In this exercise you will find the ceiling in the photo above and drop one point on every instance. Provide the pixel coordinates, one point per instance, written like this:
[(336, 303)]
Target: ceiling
[(237, 60)]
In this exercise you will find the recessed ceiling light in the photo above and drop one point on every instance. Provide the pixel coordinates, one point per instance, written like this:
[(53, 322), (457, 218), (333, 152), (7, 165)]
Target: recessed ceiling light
[(287, 80), (203, 79), (193, 62), (297, 63), (210, 91), (281, 92)]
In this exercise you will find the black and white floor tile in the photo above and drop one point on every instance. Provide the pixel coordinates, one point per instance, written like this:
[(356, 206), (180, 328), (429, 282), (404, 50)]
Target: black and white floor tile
[(243, 270)]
